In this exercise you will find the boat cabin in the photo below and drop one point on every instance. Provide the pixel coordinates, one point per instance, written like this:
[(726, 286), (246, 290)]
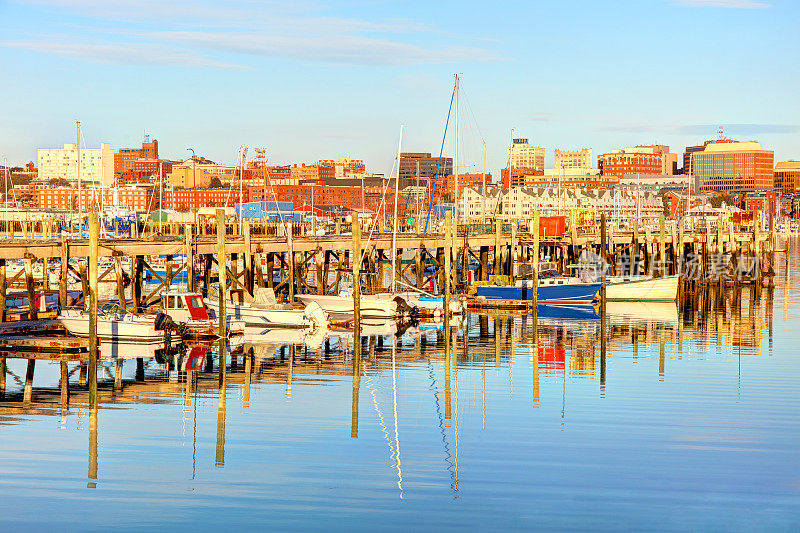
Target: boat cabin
[(184, 306)]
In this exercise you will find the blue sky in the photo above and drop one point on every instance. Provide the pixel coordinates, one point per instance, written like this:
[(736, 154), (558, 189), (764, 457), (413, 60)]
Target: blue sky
[(313, 80)]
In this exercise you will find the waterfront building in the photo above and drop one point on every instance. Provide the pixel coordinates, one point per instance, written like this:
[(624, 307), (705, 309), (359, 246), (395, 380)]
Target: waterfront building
[(125, 158), (67, 198), (344, 166), (787, 176), (473, 205), (652, 159), (569, 159), (522, 155), (446, 186), (185, 199), (419, 168), (727, 166), (199, 173), (96, 164)]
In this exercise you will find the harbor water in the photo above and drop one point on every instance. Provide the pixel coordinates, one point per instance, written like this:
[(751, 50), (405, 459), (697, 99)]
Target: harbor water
[(690, 420)]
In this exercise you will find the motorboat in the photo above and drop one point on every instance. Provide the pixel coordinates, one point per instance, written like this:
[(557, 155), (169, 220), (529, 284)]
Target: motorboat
[(189, 308), (116, 323), (374, 306), (551, 288), (642, 288), (264, 312)]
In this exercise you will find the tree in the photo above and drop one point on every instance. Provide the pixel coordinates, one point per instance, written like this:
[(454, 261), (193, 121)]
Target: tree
[(215, 183), (719, 199), (183, 208), (58, 182)]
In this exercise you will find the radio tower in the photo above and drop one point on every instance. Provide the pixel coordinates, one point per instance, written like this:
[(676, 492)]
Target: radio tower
[(261, 162)]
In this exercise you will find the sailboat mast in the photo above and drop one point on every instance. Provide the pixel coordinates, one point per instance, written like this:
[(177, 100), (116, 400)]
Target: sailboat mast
[(483, 196), (80, 199), (394, 228), (455, 160)]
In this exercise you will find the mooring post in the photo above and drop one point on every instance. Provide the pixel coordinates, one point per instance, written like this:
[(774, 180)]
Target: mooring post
[(62, 283), (356, 293), (496, 269), (248, 258), (448, 244), (64, 387), (120, 279), (94, 237), (290, 257), (3, 288), (661, 245), (604, 261), (535, 272), (33, 310), (137, 283), (223, 283), (191, 258)]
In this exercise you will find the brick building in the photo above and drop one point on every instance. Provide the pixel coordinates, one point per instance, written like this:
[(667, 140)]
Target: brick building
[(731, 166), (67, 198), (787, 176), (420, 165), (629, 161), (196, 198), (125, 158)]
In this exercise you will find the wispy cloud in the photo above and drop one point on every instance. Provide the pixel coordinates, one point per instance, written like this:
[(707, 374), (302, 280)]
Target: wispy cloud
[(119, 54), (703, 129), (730, 4), (196, 33)]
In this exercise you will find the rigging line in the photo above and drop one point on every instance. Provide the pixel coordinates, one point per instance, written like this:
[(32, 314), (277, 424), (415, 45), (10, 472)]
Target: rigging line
[(382, 423), (439, 162), (396, 434), (446, 445), (472, 113)]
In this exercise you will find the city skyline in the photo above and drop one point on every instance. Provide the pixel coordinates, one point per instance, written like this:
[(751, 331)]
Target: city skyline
[(314, 82)]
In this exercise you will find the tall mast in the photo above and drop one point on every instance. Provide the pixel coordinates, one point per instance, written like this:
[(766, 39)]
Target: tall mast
[(455, 160), (160, 197), (483, 196), (78, 147), (394, 229)]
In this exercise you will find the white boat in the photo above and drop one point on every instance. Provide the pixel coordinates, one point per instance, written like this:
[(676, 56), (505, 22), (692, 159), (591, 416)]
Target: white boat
[(115, 323), (642, 288), (189, 309), (264, 312), (370, 306)]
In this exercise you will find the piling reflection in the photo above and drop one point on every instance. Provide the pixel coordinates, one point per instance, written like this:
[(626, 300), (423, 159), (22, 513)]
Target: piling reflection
[(543, 353)]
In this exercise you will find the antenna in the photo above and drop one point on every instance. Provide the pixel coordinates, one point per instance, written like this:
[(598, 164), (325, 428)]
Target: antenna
[(720, 134)]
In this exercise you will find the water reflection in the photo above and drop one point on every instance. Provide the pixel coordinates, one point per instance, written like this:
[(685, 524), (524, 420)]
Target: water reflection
[(469, 386)]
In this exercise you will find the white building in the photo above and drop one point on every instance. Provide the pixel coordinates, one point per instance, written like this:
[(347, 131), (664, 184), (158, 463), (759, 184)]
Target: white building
[(523, 155), (96, 164), (473, 206), (567, 159)]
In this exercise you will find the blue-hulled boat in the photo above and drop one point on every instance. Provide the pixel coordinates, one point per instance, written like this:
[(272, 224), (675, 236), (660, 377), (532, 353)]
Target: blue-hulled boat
[(552, 289)]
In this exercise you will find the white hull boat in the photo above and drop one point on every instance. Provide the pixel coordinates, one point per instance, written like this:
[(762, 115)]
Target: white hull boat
[(642, 289), (255, 317), (189, 309), (426, 304), (113, 323), (370, 306)]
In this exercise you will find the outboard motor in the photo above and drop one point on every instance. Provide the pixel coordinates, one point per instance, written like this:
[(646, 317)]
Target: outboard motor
[(405, 310), (164, 322), (316, 315)]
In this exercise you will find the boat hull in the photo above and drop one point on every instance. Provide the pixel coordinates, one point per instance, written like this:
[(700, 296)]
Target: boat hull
[(566, 294), (369, 306), (117, 330), (255, 317), (643, 290)]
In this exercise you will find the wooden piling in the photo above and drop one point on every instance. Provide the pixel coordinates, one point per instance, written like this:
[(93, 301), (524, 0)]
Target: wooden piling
[(356, 292), (120, 279), (62, 283), (191, 259), (3, 283), (603, 256), (248, 258), (448, 237), (94, 236), (33, 311), (223, 284)]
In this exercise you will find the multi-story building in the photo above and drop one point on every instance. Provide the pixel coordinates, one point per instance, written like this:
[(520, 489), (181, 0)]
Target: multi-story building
[(617, 163), (421, 167), (344, 166), (566, 159), (522, 155), (196, 198), (669, 161), (125, 158), (688, 157), (731, 166), (473, 205), (67, 198), (96, 164), (198, 173), (447, 185), (787, 176)]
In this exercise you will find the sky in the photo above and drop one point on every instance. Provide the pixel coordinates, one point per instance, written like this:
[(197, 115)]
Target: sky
[(315, 80)]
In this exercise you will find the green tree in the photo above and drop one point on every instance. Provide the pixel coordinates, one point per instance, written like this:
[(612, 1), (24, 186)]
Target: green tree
[(718, 200), (58, 182), (215, 183)]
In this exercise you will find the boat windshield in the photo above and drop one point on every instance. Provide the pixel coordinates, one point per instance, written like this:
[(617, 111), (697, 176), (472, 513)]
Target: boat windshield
[(111, 309)]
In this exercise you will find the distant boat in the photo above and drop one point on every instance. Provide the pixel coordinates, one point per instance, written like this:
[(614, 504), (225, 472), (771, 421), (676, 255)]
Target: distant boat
[(264, 313), (552, 289), (369, 306)]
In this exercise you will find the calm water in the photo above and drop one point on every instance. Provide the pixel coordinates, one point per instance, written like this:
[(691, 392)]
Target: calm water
[(695, 426)]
